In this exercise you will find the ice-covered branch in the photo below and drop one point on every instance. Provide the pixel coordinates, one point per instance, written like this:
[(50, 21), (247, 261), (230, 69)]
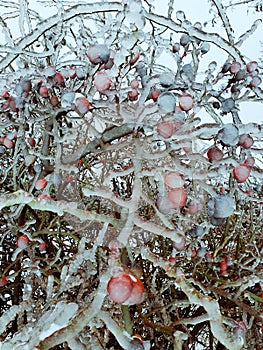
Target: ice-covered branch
[(51, 22), (197, 34), (211, 306), (59, 207), (248, 33), (82, 320), (98, 145), (51, 321), (225, 20), (123, 339)]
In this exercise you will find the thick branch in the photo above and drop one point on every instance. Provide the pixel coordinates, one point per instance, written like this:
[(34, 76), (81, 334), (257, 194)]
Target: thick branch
[(97, 145)]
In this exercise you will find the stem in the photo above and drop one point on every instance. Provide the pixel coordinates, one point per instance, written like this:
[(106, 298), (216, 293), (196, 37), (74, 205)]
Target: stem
[(127, 318)]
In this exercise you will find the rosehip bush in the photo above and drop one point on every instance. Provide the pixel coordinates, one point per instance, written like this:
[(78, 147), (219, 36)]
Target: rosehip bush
[(131, 177)]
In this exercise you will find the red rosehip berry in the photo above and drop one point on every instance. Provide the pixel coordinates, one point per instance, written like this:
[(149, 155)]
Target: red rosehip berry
[(186, 102), (3, 281), (241, 172), (174, 180), (178, 197), (70, 178), (26, 85), (82, 105), (155, 94), (251, 66), (42, 247), (58, 78), (255, 82), (12, 104), (135, 58), (250, 161), (54, 100), (102, 81), (166, 129), (176, 48), (72, 73), (172, 260), (5, 95), (194, 208), (137, 294), (98, 53), (22, 242), (133, 95), (245, 141), (223, 268), (43, 91), (44, 196), (235, 67), (31, 141), (124, 288), (134, 84), (49, 71), (8, 143), (215, 154), (40, 184)]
